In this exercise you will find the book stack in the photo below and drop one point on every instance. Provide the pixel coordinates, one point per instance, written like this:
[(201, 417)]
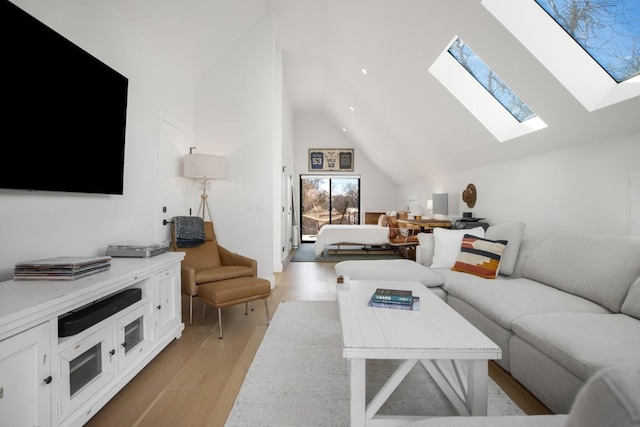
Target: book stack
[(394, 298), (61, 268)]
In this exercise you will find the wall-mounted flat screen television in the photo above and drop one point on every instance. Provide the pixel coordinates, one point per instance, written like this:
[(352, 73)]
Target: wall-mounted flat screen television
[(64, 114)]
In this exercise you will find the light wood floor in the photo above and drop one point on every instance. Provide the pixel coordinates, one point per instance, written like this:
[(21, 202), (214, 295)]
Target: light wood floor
[(195, 380)]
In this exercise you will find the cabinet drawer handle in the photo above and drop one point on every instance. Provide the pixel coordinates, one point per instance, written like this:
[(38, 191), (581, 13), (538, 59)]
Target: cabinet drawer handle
[(159, 307), (48, 380)]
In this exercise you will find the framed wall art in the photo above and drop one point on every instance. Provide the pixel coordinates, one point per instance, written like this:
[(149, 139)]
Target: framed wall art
[(331, 159)]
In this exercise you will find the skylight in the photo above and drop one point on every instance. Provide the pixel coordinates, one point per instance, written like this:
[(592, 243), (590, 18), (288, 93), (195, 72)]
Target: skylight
[(596, 57), (483, 93), (607, 30), (490, 80)]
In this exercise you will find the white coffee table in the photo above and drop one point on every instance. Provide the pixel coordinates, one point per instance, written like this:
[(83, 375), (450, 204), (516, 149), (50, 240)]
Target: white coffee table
[(434, 333)]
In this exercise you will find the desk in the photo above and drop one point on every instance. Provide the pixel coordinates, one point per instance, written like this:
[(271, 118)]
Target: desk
[(425, 225)]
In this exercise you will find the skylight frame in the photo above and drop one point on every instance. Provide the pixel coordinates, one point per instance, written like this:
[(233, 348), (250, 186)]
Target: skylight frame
[(482, 67), (478, 100), (611, 30), (574, 68)]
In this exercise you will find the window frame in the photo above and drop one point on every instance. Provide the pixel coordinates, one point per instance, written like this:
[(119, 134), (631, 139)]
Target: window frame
[(478, 100), (576, 70)]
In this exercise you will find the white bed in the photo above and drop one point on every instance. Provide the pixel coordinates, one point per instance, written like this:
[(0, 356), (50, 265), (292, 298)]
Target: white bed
[(364, 234)]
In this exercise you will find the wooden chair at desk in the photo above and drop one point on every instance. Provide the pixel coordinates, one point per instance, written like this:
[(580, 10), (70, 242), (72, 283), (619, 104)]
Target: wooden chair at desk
[(404, 238)]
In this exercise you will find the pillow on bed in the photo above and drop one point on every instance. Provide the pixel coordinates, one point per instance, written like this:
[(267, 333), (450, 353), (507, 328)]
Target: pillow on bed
[(383, 221)]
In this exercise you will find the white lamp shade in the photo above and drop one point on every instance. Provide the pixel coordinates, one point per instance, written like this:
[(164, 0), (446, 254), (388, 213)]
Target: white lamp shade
[(204, 166)]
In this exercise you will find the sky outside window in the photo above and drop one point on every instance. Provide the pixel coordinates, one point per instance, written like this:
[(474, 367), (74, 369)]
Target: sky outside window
[(608, 30), (490, 80)]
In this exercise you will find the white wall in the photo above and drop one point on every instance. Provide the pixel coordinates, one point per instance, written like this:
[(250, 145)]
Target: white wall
[(377, 192), (234, 118), (585, 189), (288, 173), (45, 224)]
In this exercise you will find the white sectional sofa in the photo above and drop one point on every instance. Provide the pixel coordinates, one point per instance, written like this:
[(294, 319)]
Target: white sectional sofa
[(561, 308), (603, 401)]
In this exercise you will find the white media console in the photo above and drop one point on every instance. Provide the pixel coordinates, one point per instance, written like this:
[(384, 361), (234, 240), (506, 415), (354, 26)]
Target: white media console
[(52, 380)]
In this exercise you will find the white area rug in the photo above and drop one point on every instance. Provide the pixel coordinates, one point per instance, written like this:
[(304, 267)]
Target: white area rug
[(299, 377)]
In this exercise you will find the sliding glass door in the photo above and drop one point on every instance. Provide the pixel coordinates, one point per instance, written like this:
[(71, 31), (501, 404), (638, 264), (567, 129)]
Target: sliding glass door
[(327, 200)]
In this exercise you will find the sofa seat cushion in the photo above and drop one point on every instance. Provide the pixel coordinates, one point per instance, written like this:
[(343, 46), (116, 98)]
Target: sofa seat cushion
[(582, 342), (505, 300), (388, 269)]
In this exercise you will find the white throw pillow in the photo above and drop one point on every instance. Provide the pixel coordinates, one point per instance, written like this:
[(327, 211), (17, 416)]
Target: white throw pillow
[(425, 249), (512, 233), (447, 245)]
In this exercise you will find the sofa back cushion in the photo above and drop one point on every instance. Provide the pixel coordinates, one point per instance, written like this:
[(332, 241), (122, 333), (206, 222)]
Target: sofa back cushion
[(596, 267), (631, 304), (512, 233), (611, 397)]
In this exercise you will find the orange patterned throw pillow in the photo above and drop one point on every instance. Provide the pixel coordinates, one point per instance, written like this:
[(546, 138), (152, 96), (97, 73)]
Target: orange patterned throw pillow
[(479, 256)]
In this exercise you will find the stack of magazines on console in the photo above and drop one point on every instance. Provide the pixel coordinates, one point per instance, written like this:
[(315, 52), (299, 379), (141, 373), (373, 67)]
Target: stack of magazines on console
[(395, 298), (61, 268), (133, 249)]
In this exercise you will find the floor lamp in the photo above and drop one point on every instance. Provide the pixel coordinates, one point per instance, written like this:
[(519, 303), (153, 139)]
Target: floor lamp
[(204, 167)]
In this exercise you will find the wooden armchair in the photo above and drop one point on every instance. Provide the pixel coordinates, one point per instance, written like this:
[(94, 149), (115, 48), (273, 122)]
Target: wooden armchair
[(210, 263), (403, 238)]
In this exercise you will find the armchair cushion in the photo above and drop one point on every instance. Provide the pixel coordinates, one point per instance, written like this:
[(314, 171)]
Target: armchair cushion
[(206, 255), (214, 274), (234, 291)]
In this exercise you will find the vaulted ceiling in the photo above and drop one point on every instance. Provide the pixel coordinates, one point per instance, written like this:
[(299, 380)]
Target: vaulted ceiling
[(403, 119)]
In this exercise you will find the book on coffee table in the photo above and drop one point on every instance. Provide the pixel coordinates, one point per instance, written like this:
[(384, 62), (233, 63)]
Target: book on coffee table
[(414, 305), (395, 296)]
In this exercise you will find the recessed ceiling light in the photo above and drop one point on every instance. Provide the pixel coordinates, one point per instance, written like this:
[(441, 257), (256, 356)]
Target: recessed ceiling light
[(344, 129), (352, 109), (364, 71)]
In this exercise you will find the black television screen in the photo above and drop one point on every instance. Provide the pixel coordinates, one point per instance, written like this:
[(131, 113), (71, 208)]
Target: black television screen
[(64, 114)]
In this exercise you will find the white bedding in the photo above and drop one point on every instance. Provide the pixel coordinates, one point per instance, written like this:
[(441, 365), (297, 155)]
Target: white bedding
[(364, 234)]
